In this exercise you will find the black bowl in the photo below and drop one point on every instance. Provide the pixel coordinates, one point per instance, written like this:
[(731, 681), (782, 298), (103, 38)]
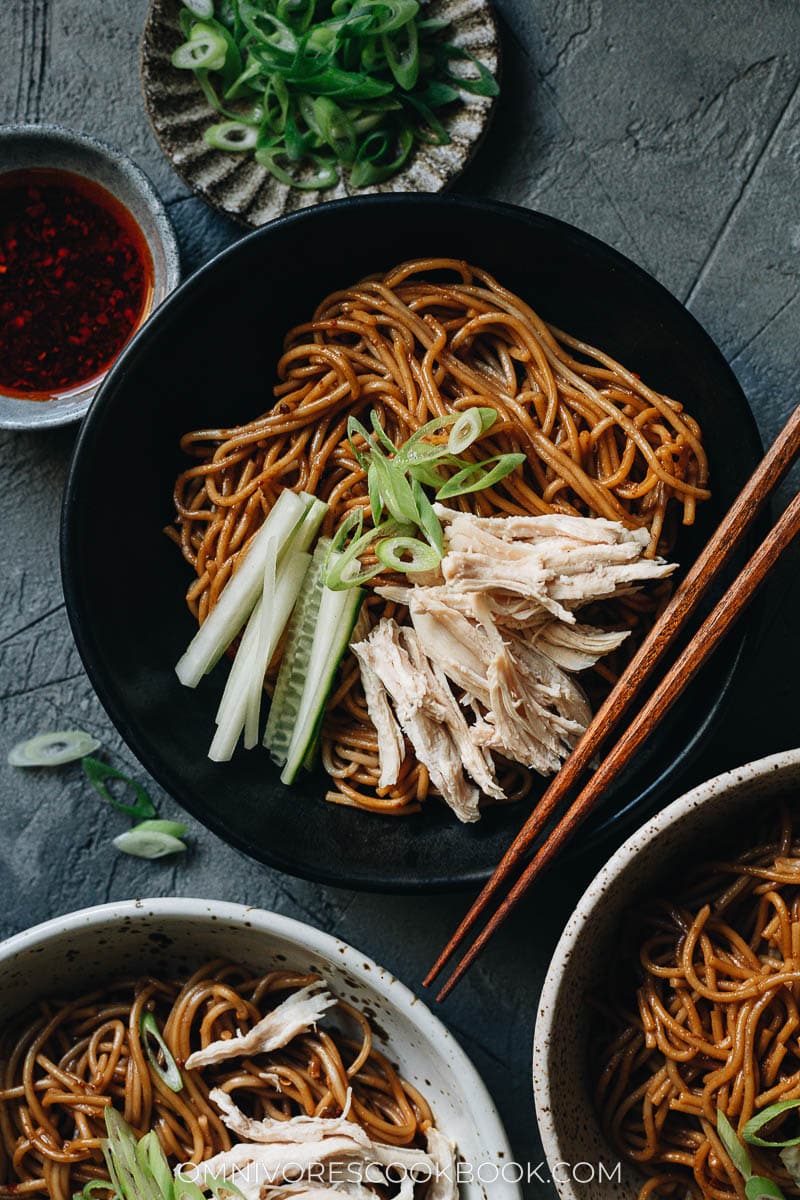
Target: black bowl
[(207, 357)]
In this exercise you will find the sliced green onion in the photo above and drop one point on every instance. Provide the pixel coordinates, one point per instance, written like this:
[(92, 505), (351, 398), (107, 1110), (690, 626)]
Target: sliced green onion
[(736, 1151), (395, 490), (759, 1188), (750, 1133), (93, 1186), (206, 50), (356, 429), (370, 167), (222, 1188), (381, 433), (416, 555), (469, 426), (231, 135), (98, 772), (402, 54), (325, 175), (153, 1162), (429, 523), (484, 85), (335, 128), (173, 828), (168, 1071), (142, 844), (374, 491), (474, 478), (52, 749)]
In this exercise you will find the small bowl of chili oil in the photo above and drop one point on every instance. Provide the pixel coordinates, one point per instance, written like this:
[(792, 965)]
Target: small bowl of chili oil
[(87, 251)]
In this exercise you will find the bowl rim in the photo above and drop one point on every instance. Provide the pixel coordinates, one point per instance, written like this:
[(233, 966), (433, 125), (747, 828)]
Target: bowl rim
[(490, 1132), (52, 414), (92, 659), (774, 764)]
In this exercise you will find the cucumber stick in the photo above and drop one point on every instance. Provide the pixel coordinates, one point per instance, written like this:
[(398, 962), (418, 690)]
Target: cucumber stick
[(246, 678), (240, 706), (322, 626), (291, 676), (239, 596)]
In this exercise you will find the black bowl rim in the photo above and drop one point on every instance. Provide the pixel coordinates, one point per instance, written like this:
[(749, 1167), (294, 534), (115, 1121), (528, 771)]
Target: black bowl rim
[(619, 822)]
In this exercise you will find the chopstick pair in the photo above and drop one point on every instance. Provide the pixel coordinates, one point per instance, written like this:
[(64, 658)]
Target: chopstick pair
[(727, 538)]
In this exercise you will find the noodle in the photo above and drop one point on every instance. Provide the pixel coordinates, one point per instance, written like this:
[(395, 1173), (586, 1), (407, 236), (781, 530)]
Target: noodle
[(704, 1017), (413, 346), (71, 1059)]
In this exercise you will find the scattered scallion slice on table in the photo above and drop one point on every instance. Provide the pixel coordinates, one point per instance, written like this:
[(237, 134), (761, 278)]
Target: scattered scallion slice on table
[(53, 749), (317, 90), (98, 772), (147, 843)]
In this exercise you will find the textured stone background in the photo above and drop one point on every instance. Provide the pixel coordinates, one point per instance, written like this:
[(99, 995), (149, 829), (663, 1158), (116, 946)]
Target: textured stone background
[(670, 130)]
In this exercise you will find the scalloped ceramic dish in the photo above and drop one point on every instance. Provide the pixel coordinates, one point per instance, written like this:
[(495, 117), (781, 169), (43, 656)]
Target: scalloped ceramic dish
[(241, 188)]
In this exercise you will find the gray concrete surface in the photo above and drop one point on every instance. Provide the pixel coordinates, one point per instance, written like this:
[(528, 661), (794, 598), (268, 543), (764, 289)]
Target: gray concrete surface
[(671, 130)]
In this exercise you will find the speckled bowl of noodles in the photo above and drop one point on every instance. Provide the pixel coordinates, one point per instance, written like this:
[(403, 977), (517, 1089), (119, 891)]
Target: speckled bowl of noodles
[(169, 939), (721, 818)]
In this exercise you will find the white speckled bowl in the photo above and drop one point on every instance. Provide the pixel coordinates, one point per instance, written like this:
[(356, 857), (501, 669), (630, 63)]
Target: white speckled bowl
[(653, 855), (23, 146), (74, 952)]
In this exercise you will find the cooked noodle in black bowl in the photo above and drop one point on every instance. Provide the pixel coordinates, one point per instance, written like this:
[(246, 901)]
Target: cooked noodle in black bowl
[(375, 406)]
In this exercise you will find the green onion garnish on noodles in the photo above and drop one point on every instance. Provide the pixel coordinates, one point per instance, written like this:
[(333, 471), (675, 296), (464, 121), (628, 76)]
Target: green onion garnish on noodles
[(750, 1133), (139, 1170), (756, 1187), (469, 426), (396, 478), (474, 477), (407, 554), (167, 1070), (98, 772)]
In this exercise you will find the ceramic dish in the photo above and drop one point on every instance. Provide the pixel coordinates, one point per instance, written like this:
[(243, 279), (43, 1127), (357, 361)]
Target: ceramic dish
[(25, 146), (171, 936), (237, 185), (208, 358), (658, 851)]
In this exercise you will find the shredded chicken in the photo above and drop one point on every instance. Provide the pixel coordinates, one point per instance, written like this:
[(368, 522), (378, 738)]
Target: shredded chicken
[(553, 563), (391, 747), (331, 1154), (295, 1015), (427, 711), (497, 624), (576, 647)]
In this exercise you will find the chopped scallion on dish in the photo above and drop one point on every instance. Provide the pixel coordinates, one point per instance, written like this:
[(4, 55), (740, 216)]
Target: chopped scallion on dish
[(318, 89)]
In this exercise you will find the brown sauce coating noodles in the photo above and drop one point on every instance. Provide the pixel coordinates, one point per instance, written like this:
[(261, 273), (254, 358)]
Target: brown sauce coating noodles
[(432, 337), (703, 1014), (69, 1059)]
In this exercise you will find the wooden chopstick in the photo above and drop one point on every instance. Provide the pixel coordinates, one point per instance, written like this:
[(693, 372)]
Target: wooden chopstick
[(727, 538), (686, 666)]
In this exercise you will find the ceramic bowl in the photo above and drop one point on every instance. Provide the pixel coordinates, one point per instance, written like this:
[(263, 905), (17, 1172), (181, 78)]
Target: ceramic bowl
[(52, 146), (173, 936), (208, 358), (656, 854)]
